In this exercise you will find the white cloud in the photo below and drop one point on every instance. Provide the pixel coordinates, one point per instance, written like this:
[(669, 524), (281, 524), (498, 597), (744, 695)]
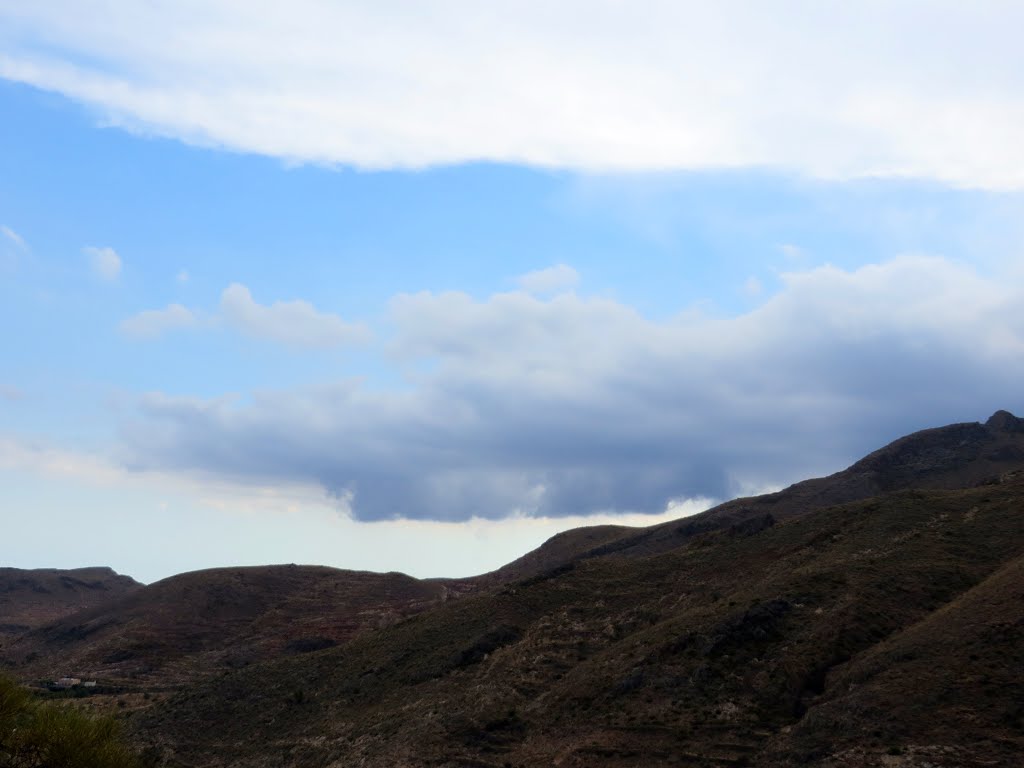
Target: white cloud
[(835, 91), (752, 287), (13, 237), (576, 405), (12, 247), (288, 322), (154, 322), (32, 456), (550, 280), (183, 276), (54, 462), (295, 323), (105, 262), (792, 252)]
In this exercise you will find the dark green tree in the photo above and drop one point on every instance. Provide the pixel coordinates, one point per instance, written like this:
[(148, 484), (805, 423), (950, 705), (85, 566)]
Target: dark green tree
[(38, 735)]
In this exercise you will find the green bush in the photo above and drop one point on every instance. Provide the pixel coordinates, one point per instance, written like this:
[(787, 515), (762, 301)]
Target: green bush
[(36, 735)]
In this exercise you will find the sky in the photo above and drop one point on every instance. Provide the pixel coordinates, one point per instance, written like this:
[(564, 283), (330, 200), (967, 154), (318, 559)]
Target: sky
[(414, 286)]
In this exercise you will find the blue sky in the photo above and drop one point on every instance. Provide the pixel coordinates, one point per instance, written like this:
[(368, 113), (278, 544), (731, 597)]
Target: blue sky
[(279, 295)]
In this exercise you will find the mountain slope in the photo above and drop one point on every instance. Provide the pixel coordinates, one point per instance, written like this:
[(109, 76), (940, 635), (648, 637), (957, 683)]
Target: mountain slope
[(31, 598), (954, 456), (947, 457), (946, 688), (180, 629), (560, 549), (698, 656), (794, 628)]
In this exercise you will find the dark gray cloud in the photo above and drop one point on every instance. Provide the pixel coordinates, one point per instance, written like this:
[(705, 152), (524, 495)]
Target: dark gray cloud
[(574, 405)]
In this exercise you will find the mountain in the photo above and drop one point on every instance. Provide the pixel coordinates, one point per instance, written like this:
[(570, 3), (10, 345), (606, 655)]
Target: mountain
[(870, 618), (31, 598), (735, 649), (560, 549), (951, 680), (955, 456), (183, 628)]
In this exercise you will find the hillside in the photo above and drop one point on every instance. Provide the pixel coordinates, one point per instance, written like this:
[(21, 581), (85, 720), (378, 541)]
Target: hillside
[(682, 658), (955, 456), (949, 685), (870, 618), (560, 549), (791, 641), (183, 628), (31, 598)]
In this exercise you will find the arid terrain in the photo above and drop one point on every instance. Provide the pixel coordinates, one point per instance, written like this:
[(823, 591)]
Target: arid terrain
[(871, 618), (29, 599)]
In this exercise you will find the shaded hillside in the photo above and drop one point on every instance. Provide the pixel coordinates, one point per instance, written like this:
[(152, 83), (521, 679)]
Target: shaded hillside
[(947, 687), (31, 598), (185, 615), (182, 628), (707, 654)]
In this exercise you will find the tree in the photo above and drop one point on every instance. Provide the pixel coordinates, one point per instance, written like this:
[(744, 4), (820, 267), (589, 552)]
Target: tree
[(38, 735)]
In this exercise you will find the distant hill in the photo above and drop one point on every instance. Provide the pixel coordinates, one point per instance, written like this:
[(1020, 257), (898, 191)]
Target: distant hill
[(870, 618), (182, 628), (31, 598)]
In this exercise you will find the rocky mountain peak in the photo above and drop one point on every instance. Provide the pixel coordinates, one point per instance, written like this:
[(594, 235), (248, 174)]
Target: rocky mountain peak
[(1004, 421)]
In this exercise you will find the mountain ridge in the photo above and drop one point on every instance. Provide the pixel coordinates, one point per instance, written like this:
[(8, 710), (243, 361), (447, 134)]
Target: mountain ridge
[(769, 631), (200, 622), (671, 659), (929, 458), (32, 597)]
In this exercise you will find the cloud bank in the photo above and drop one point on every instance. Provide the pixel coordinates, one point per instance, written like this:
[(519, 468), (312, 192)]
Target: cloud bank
[(932, 90), (292, 323), (575, 405)]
